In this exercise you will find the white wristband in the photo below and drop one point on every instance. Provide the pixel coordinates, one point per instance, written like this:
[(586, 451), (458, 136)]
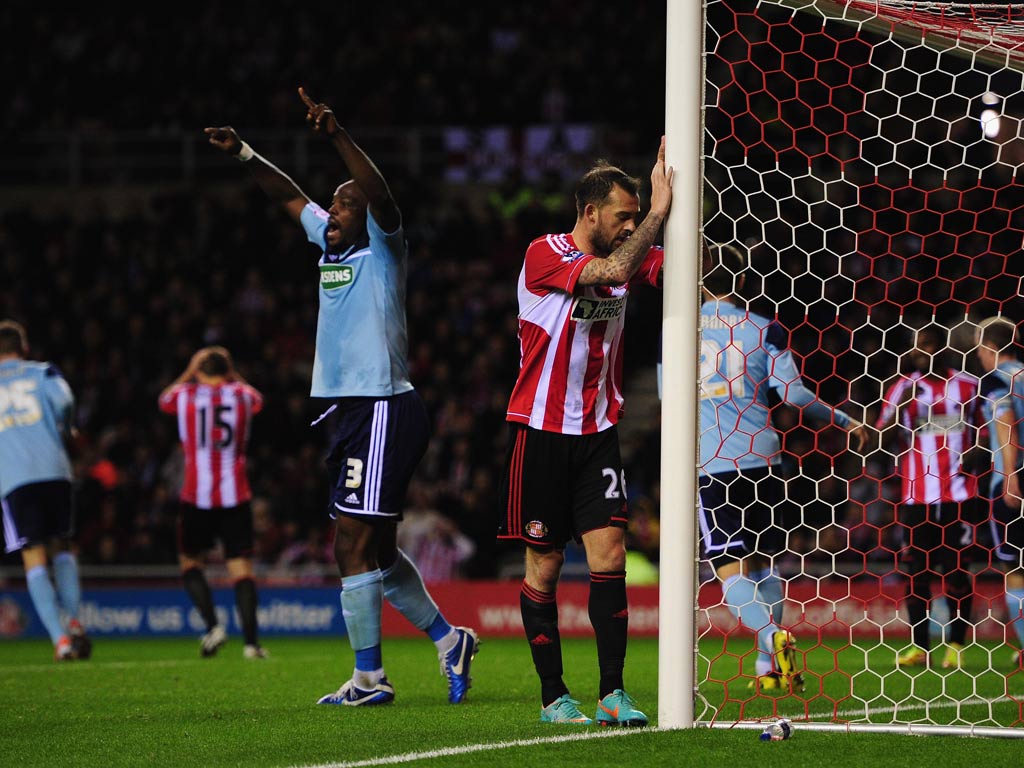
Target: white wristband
[(245, 154)]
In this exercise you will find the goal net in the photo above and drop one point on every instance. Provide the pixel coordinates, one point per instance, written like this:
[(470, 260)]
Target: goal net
[(867, 160)]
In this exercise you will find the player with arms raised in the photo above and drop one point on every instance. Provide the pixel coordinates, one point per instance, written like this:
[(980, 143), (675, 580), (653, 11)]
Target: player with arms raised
[(215, 406), (383, 426)]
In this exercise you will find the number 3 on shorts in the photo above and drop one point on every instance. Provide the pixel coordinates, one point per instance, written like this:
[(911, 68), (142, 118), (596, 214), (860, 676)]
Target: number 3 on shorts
[(354, 476)]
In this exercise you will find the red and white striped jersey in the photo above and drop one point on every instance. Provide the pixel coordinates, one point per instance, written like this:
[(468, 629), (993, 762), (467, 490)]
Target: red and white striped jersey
[(213, 424), (942, 416), (570, 340)]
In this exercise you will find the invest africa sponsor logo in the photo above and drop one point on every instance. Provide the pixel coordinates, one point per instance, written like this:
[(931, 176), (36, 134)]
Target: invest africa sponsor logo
[(592, 310), (335, 276)]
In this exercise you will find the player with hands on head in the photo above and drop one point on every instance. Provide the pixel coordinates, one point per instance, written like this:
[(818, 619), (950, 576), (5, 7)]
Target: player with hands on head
[(214, 407), (563, 476), (360, 370)]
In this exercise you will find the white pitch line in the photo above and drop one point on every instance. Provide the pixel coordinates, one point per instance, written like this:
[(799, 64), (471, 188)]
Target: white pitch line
[(65, 667), (972, 702), (467, 749)]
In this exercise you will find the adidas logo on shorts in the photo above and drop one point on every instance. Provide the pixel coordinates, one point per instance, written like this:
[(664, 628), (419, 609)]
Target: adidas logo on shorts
[(351, 499)]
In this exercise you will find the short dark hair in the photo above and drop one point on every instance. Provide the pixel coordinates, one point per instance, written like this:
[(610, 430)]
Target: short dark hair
[(13, 339), (216, 363), (723, 264), (997, 333), (597, 183)]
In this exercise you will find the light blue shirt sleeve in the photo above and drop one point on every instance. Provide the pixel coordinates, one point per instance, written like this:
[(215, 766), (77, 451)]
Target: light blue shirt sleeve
[(392, 242), (785, 379), (35, 425), (314, 221), (60, 397)]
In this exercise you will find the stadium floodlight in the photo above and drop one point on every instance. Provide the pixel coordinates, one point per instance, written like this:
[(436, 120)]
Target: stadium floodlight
[(867, 156)]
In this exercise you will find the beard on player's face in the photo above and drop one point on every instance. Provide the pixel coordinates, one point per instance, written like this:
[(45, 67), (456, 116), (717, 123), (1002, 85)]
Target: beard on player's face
[(605, 241)]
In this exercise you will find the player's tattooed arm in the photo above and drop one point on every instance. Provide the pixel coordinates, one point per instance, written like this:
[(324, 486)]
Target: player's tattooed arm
[(617, 268), (278, 185), (624, 261)]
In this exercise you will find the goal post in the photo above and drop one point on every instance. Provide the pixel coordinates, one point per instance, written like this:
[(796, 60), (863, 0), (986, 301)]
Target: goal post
[(678, 572), (867, 157)]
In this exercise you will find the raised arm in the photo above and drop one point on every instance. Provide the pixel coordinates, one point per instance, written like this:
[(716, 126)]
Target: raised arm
[(624, 261), (276, 183), (365, 174)]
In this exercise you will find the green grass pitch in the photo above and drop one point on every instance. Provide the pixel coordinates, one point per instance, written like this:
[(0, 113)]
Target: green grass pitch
[(145, 702)]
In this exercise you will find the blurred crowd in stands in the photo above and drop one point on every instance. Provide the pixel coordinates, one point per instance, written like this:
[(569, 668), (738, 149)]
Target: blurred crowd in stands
[(120, 299), (389, 63), (844, 246), (120, 305)]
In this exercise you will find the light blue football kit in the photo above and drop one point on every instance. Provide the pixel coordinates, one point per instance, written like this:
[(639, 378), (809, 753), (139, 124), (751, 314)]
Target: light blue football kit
[(382, 433), (744, 357), (1003, 390), (36, 413), (36, 405), (361, 340)]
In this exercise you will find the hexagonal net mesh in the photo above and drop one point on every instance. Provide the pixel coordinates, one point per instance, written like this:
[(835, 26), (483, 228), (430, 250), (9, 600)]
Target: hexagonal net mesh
[(864, 200)]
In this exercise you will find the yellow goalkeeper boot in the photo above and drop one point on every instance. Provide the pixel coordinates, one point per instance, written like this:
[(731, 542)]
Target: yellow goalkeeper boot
[(952, 659), (784, 648), (913, 657)]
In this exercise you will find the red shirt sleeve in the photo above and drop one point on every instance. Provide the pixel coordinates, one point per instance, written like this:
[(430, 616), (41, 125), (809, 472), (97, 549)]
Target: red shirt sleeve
[(255, 399), (890, 401), (650, 268), (169, 403), (548, 269)]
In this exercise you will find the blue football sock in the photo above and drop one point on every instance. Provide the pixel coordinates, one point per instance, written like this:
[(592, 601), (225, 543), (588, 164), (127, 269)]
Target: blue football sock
[(439, 631), (740, 595), (69, 589), (362, 597), (404, 589), (769, 589), (1014, 611), (44, 598)]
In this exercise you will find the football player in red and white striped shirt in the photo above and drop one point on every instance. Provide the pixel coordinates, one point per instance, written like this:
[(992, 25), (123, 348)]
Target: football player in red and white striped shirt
[(563, 476), (215, 406), (934, 414)]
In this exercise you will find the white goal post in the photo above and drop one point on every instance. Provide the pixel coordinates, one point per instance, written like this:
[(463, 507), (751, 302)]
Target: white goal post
[(867, 157)]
